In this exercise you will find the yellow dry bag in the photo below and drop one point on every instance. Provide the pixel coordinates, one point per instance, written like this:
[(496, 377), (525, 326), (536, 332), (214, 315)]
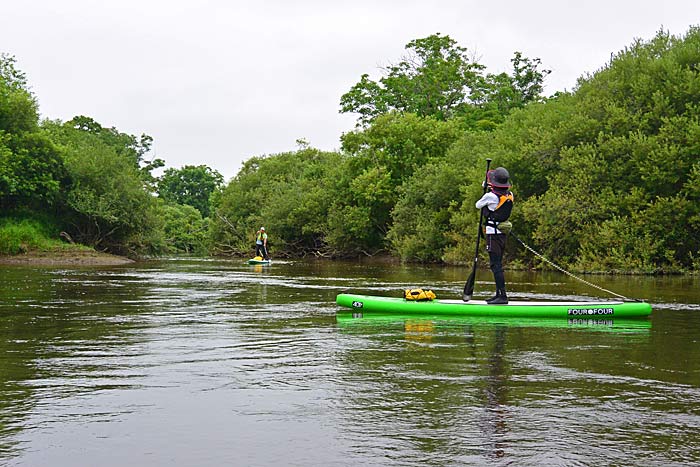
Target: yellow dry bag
[(418, 294)]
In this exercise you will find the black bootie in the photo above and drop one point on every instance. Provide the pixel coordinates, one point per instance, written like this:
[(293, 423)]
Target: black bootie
[(498, 294), (500, 299)]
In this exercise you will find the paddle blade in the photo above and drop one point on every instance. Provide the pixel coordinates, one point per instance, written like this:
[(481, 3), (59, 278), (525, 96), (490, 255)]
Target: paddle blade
[(469, 286)]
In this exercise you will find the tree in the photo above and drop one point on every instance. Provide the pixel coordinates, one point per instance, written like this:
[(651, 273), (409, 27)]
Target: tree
[(289, 193), (620, 194), (190, 185), (384, 156), (528, 79), (31, 172), (18, 107), (107, 204), (134, 149), (437, 78), (184, 228), (420, 229), (401, 143), (31, 169), (504, 93)]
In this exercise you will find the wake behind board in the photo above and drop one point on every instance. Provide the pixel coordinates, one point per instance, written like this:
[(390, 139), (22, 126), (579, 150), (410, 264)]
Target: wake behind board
[(610, 309)]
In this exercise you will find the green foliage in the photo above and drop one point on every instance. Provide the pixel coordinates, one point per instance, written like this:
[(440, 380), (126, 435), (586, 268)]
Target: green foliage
[(108, 204), (421, 216), (31, 171), (185, 230), (288, 193), (580, 196), (96, 180), (437, 78), (622, 198), (605, 178), (527, 79), (128, 147), (401, 143), (18, 108), (384, 155), (191, 185), (351, 231), (20, 236)]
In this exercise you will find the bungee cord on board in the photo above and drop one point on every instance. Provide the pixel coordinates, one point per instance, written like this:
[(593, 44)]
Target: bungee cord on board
[(559, 268)]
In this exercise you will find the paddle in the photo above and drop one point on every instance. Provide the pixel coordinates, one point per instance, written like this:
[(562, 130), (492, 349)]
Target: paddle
[(469, 285)]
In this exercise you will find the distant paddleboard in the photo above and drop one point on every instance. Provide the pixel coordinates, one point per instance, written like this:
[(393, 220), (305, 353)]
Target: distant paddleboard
[(258, 260)]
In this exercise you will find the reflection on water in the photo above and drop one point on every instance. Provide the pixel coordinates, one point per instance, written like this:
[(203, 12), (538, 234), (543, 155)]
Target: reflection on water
[(211, 362), (494, 424)]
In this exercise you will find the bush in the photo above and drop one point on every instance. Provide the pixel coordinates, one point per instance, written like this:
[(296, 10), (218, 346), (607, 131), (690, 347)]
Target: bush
[(17, 237)]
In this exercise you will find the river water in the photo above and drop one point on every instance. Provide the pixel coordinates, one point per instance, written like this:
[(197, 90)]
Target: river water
[(201, 362)]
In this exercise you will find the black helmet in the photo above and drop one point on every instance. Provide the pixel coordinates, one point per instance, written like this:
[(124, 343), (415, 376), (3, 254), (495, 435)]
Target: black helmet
[(499, 178)]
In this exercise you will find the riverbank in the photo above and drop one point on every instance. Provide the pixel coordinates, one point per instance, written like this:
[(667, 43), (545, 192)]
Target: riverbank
[(68, 257)]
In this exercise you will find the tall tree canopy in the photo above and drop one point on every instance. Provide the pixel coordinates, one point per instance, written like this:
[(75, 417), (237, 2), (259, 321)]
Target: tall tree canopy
[(18, 107), (130, 147), (191, 185), (31, 169), (437, 78), (107, 201)]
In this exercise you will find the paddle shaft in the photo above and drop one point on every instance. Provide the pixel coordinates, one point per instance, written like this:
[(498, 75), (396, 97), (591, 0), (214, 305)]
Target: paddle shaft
[(469, 285)]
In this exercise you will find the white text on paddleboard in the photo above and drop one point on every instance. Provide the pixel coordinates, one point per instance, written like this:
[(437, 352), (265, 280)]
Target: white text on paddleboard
[(590, 311)]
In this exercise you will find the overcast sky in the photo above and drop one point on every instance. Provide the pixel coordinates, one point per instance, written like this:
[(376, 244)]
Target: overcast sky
[(216, 82)]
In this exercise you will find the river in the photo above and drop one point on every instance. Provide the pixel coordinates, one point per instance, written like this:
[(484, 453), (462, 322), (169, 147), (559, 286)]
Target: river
[(209, 362)]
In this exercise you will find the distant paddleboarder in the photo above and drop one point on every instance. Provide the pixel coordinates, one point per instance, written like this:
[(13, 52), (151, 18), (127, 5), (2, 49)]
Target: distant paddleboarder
[(261, 243)]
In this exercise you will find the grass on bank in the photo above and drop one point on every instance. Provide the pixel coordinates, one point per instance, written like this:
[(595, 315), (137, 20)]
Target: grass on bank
[(25, 235)]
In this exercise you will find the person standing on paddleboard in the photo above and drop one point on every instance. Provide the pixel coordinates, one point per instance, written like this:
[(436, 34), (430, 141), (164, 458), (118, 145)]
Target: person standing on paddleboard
[(496, 205), (261, 243)]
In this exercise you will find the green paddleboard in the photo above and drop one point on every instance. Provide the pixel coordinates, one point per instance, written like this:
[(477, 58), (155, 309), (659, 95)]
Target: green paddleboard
[(258, 261), (593, 309)]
